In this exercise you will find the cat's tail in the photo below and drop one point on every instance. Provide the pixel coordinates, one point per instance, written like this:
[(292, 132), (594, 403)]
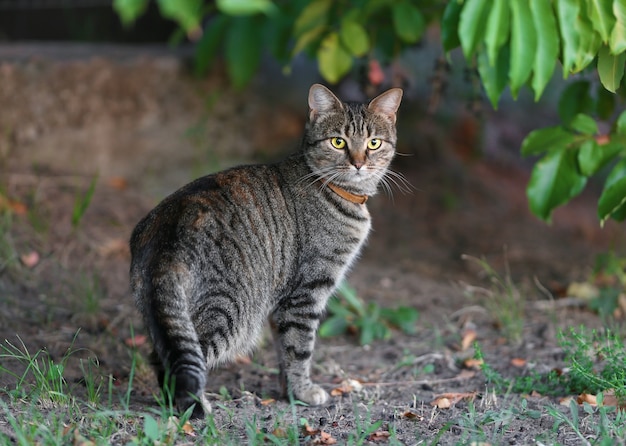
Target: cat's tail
[(178, 359)]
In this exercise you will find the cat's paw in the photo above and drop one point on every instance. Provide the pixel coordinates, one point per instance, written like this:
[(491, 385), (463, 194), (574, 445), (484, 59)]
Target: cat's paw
[(201, 406), (313, 395)]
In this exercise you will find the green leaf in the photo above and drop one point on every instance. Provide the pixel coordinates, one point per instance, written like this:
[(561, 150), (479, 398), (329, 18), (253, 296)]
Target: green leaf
[(354, 38), (245, 7), (314, 15), (494, 78), (408, 22), (186, 13), (523, 45), (129, 10), (617, 41), (207, 46), (584, 124), (450, 25), (605, 105), (548, 49), (545, 140), (243, 50), (601, 17), (592, 157), (588, 44), (610, 68), (620, 125), (612, 202), (554, 181), (472, 25), (333, 59), (567, 13), (308, 37), (497, 31), (403, 318), (333, 326), (575, 99)]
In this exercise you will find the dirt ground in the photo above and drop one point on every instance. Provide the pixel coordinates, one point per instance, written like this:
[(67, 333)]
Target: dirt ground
[(143, 127)]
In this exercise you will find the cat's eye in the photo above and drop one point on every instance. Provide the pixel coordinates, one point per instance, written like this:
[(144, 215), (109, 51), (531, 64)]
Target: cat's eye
[(374, 143), (338, 143)]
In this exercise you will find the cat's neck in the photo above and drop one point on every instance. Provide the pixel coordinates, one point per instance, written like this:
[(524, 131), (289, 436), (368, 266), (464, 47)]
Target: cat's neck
[(353, 198)]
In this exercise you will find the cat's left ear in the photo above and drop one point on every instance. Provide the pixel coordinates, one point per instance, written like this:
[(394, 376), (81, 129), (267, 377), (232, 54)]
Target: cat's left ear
[(387, 103)]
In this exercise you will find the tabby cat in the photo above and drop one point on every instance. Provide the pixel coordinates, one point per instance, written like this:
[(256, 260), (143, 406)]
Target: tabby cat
[(217, 258)]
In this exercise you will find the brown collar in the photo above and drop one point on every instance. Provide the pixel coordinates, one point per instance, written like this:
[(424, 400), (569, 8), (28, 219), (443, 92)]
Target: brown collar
[(354, 198)]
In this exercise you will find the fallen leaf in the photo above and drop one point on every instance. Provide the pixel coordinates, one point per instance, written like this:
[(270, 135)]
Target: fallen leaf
[(79, 440), (587, 398), (280, 432), (442, 403), (267, 402), (136, 341), (410, 415), (446, 400), (535, 394), (565, 401), (347, 386), (16, 207), (518, 362), (114, 247), (30, 260), (583, 290), (187, 428), (324, 438), (472, 363), (468, 339), (308, 431), (379, 436), (243, 360), (118, 183)]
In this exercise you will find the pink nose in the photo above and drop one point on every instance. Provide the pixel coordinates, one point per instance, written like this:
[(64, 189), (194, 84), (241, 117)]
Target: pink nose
[(357, 164)]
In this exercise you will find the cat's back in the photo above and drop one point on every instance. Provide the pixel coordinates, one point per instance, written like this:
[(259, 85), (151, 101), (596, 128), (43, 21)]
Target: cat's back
[(235, 201)]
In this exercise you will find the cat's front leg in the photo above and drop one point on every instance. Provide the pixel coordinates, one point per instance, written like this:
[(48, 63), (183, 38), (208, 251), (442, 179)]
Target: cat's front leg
[(294, 329)]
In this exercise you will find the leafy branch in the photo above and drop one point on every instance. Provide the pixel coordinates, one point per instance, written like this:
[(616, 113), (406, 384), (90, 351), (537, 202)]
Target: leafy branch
[(512, 44)]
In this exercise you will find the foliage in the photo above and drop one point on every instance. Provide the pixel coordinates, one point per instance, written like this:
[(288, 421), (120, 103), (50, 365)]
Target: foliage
[(349, 313), (512, 43)]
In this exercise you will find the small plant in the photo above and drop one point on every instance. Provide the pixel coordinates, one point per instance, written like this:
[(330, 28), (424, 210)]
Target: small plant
[(348, 313), (503, 300), (82, 202)]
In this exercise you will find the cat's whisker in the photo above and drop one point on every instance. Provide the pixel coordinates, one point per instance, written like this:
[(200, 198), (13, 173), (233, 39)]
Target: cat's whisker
[(400, 181)]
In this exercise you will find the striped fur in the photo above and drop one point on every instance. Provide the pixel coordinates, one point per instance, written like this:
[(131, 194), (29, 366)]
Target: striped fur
[(216, 259)]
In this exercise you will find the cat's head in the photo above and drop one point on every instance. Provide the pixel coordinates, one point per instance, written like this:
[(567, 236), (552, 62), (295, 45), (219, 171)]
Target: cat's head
[(349, 144)]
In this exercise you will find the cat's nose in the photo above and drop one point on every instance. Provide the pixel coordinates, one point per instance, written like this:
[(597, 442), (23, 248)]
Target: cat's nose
[(358, 164)]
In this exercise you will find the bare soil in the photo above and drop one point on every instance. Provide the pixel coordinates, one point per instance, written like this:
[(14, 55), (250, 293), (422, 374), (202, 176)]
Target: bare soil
[(125, 120)]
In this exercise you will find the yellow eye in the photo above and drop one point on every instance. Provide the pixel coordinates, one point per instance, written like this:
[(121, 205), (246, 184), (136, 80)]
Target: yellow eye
[(374, 143), (338, 143)]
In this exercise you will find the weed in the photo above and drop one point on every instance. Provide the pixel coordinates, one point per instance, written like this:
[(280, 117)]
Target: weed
[(82, 202), (504, 301), (348, 312)]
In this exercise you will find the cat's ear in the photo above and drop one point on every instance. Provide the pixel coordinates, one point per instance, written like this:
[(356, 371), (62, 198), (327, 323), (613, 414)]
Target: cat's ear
[(322, 100), (387, 103)]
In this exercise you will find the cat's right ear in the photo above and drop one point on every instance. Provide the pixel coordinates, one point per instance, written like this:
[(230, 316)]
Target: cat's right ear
[(322, 100)]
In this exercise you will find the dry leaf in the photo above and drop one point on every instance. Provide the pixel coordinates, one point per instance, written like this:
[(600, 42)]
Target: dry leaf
[(587, 398), (518, 362), (308, 431), (583, 290), (30, 260), (187, 428), (267, 402), (565, 401), (468, 339), (535, 394), (347, 386), (442, 403), (324, 438), (379, 436), (447, 400), (279, 432), (136, 341), (243, 360), (11, 205), (472, 363), (118, 183), (412, 415), (114, 247)]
